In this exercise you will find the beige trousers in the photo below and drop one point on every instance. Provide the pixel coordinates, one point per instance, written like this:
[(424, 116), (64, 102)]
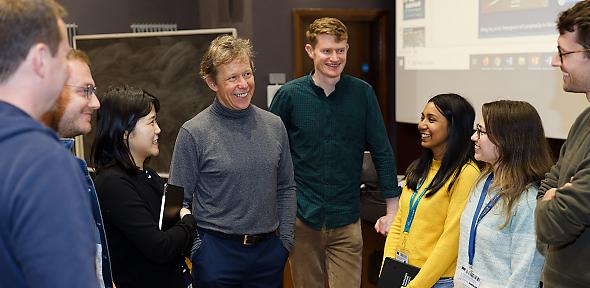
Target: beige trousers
[(337, 253)]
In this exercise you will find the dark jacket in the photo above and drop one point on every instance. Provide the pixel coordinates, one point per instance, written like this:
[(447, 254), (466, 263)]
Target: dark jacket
[(562, 223), (100, 236), (141, 254), (46, 230)]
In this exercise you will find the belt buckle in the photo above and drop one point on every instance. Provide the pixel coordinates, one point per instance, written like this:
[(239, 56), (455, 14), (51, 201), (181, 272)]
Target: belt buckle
[(248, 240)]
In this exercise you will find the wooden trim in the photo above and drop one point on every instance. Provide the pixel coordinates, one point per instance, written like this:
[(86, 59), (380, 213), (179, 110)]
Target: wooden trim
[(378, 17), (297, 45), (383, 64)]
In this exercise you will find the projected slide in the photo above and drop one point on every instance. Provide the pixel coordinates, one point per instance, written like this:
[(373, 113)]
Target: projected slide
[(413, 9), (445, 35), (483, 49), (413, 37), (504, 18)]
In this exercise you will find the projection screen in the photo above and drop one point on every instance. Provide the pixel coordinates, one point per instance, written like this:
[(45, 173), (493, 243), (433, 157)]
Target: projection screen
[(484, 50)]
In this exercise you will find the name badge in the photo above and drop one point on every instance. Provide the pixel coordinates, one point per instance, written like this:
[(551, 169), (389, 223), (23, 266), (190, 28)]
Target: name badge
[(401, 257), (468, 278)]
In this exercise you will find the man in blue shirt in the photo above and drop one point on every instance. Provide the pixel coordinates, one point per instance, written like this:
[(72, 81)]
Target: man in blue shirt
[(45, 222), (70, 118)]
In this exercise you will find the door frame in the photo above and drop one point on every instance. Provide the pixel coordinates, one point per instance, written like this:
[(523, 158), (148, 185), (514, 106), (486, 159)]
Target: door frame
[(379, 20)]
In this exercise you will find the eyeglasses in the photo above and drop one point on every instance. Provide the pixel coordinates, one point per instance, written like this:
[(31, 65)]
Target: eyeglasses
[(561, 53), (479, 131), (88, 90)]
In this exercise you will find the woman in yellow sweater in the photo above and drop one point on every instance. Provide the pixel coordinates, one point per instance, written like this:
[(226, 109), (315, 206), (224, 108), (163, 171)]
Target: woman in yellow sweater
[(425, 232)]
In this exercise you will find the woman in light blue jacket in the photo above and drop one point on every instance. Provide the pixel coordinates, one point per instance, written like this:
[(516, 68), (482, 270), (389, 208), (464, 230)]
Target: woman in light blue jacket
[(497, 246)]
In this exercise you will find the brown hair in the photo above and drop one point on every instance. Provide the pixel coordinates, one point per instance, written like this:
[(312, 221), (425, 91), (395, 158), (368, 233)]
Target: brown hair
[(577, 19), (327, 25), (23, 23), (225, 49), (523, 153)]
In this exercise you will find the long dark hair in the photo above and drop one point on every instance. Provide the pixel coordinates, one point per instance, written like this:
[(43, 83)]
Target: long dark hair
[(460, 116), (524, 155), (120, 109)]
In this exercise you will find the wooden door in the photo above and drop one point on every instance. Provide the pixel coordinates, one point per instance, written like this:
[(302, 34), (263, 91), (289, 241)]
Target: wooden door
[(367, 57)]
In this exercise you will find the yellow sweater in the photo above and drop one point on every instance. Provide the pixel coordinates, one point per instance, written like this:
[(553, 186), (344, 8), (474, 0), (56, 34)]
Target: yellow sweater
[(433, 238)]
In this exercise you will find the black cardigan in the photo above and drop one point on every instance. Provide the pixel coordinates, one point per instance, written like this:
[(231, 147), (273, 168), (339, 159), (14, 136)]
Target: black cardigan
[(141, 254)]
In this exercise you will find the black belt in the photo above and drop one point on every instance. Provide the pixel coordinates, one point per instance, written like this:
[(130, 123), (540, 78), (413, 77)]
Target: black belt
[(246, 239)]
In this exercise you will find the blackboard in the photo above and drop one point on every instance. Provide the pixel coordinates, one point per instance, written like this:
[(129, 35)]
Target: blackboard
[(164, 64)]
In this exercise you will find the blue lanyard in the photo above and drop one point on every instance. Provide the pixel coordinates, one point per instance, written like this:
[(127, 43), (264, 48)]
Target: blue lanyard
[(477, 216), (414, 205)]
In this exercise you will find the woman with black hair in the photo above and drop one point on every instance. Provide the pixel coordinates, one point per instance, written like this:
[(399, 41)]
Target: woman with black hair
[(425, 231), (130, 193)]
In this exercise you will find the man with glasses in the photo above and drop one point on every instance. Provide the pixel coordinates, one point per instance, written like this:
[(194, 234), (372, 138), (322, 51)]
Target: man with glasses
[(70, 118), (46, 234), (73, 110), (562, 216)]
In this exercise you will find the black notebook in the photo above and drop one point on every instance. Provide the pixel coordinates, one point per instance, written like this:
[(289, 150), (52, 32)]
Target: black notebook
[(396, 274), (171, 204)]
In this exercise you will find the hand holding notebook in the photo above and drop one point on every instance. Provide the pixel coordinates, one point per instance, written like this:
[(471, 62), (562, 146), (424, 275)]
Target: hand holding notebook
[(171, 205), (396, 274)]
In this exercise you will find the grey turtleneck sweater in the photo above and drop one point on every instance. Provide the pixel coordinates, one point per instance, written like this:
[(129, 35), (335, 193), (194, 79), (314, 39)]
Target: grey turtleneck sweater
[(236, 169)]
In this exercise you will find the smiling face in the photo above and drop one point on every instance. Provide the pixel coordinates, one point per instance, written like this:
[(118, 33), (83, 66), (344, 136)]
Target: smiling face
[(143, 140), (234, 84), (485, 150), (328, 55), (575, 66), (77, 107), (434, 130)]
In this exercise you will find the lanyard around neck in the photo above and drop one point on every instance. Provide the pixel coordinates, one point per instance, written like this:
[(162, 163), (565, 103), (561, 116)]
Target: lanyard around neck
[(477, 216), (414, 205)]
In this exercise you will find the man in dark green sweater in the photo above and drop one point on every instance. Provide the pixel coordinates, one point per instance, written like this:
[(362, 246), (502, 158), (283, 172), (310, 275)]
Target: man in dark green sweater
[(562, 215), (331, 118)]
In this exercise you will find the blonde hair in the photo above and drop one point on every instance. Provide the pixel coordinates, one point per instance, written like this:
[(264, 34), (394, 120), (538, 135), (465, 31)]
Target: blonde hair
[(225, 49), (329, 26), (75, 54)]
